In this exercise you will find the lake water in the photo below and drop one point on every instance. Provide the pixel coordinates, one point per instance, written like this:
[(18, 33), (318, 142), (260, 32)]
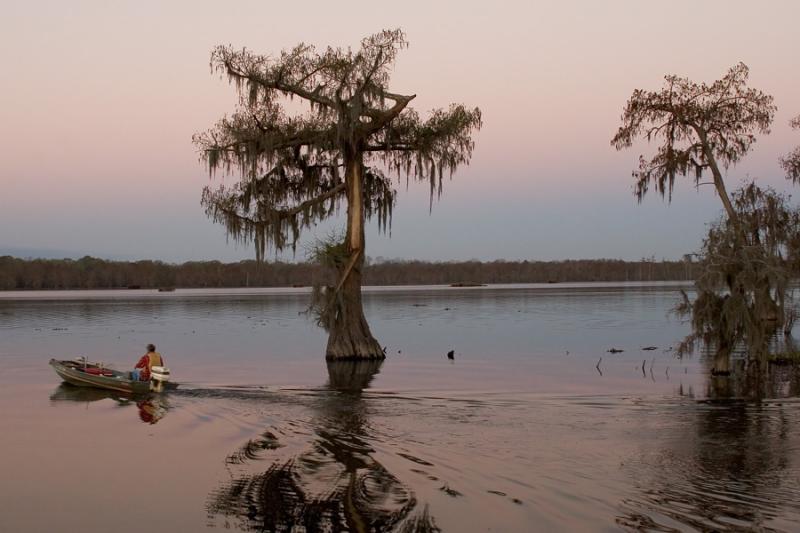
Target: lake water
[(534, 426)]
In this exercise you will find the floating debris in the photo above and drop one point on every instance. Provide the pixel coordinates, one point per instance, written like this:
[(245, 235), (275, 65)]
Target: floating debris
[(450, 492), (413, 459)]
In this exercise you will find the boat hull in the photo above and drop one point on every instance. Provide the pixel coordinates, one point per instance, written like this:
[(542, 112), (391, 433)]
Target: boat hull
[(79, 374)]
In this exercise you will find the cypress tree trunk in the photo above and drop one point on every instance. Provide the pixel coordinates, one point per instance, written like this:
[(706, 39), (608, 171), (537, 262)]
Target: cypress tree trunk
[(722, 357), (719, 182), (350, 337), (722, 361)]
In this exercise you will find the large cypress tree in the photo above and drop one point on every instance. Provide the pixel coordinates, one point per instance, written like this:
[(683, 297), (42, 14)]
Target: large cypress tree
[(314, 129), (750, 255)]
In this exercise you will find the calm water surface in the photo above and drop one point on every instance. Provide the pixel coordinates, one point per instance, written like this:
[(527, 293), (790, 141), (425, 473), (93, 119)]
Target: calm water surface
[(533, 427)]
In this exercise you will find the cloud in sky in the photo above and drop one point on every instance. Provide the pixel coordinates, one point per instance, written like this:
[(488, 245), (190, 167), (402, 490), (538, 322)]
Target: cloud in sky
[(99, 102)]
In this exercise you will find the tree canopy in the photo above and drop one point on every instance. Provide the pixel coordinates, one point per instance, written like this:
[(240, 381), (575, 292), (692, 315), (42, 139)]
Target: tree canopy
[(791, 163), (698, 127), (292, 166)]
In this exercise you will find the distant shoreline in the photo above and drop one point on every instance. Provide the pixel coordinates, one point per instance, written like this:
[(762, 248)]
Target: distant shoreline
[(91, 273), (368, 290)]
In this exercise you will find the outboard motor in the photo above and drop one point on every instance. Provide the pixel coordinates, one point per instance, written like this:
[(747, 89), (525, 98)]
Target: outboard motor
[(159, 376)]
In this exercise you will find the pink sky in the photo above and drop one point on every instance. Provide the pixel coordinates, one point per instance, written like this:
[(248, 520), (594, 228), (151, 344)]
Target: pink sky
[(100, 99)]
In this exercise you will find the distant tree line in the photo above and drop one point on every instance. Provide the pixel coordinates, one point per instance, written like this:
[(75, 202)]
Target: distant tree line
[(93, 273)]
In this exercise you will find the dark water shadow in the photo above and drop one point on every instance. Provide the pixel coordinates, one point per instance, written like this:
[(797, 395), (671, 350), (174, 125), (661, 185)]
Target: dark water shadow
[(334, 485), (730, 466), (754, 381), (150, 407)]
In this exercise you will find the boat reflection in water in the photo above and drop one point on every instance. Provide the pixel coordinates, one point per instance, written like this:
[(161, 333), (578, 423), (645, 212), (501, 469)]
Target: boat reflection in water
[(151, 407), (334, 484), (723, 467)]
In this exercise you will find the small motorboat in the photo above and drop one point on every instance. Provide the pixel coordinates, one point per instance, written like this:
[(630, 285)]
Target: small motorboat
[(83, 373)]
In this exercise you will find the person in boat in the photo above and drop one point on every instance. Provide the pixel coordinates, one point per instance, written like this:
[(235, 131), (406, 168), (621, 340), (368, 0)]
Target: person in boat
[(148, 361)]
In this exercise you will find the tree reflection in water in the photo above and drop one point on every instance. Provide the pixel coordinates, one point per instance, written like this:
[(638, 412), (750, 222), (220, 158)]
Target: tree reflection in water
[(756, 382), (729, 466), (336, 485)]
